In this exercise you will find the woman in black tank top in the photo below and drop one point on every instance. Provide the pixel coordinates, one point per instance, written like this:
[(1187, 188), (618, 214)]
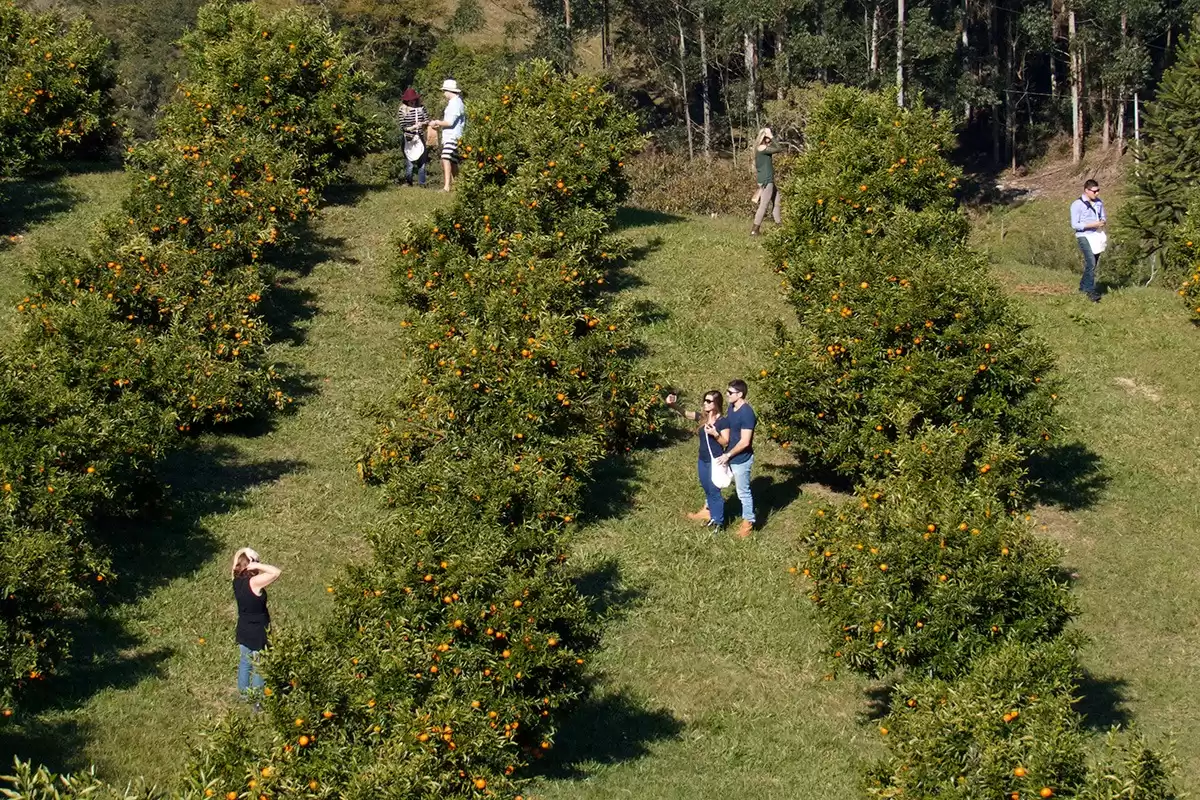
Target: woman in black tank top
[(250, 580)]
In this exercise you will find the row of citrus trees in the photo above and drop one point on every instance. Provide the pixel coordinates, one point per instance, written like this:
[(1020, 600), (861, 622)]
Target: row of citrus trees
[(155, 326), (54, 81), (452, 652), (911, 374)]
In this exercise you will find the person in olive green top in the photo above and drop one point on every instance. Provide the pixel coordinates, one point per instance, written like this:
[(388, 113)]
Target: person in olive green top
[(764, 167)]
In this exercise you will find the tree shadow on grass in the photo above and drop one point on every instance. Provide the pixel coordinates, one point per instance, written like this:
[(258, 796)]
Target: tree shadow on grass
[(30, 202), (879, 698), (1069, 476), (775, 488), (635, 217), (289, 308), (1101, 702), (608, 728), (604, 589), (205, 479), (57, 743), (108, 652)]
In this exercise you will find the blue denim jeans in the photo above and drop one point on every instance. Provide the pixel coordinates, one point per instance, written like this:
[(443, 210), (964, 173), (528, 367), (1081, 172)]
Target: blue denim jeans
[(1087, 284), (741, 479), (248, 675), (408, 169), (712, 495)]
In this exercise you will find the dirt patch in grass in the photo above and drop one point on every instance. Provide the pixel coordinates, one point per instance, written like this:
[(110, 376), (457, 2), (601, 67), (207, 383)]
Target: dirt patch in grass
[(1138, 389), (1042, 289), (1060, 526)]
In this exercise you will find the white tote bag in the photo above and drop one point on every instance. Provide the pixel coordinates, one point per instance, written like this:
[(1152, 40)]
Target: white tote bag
[(722, 475), (1098, 240)]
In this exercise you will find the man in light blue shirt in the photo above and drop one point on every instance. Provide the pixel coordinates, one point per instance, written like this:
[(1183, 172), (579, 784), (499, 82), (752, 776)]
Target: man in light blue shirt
[(1088, 220), (452, 124)]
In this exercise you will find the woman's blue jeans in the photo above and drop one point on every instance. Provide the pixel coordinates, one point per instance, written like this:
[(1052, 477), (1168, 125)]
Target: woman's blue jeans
[(248, 675), (712, 495), (408, 169)]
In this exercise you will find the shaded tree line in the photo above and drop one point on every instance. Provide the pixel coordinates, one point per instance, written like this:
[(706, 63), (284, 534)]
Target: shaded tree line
[(1015, 73)]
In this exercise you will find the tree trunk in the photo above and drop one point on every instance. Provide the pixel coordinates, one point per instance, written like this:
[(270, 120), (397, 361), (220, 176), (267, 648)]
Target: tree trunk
[(1076, 110), (876, 36), (749, 48), (1053, 52), (683, 82), (785, 67), (605, 37), (705, 101), (723, 82), (1010, 104), (966, 52), (567, 21), (1121, 93), (1105, 136), (900, 16)]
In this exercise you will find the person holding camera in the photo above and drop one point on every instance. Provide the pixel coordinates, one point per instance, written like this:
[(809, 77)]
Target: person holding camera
[(714, 435), (251, 578)]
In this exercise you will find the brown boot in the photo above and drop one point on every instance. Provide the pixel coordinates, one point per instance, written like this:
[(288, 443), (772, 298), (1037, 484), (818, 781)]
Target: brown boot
[(745, 530), (700, 516)]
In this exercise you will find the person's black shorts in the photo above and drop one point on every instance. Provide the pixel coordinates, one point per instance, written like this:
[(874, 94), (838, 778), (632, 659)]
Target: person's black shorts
[(450, 152)]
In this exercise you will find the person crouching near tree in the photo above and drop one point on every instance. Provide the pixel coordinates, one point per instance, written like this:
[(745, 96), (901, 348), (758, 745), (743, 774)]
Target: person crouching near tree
[(714, 436), (251, 578)]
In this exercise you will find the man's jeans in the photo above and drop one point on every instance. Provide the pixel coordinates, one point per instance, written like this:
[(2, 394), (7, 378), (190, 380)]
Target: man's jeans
[(248, 675), (1087, 284), (741, 479)]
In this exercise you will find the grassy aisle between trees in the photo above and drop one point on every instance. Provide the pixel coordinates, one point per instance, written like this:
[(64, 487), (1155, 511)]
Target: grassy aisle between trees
[(50, 210), (164, 664), (711, 668), (1134, 408)]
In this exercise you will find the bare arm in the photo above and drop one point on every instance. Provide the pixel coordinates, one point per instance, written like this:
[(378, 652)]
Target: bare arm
[(673, 404), (742, 444), (267, 575)]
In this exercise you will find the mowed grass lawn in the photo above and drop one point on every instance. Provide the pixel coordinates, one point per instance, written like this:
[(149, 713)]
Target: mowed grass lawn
[(709, 681)]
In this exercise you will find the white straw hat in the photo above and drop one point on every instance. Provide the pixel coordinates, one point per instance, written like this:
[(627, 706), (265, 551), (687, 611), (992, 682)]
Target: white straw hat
[(451, 85)]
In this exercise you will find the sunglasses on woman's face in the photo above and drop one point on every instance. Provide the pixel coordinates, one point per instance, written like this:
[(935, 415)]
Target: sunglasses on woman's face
[(710, 399)]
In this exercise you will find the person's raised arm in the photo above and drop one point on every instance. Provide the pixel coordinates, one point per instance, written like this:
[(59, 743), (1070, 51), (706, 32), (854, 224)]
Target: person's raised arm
[(267, 575), (673, 404)]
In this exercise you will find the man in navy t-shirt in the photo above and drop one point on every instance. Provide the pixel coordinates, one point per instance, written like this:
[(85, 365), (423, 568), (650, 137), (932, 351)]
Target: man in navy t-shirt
[(740, 455)]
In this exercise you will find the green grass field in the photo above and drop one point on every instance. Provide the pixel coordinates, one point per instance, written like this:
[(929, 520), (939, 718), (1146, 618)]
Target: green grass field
[(709, 682)]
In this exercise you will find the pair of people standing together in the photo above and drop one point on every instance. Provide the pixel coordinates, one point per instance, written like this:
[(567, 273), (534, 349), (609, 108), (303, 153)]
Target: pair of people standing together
[(726, 439), (414, 120)]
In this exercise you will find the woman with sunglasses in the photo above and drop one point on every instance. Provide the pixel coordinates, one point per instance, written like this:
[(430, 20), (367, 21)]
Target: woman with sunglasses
[(714, 436)]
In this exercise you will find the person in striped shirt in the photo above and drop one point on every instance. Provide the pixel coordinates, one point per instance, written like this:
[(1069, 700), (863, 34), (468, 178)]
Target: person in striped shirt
[(413, 121)]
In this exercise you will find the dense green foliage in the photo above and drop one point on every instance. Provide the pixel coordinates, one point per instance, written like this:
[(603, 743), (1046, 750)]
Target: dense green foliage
[(914, 376), (55, 79), (900, 325), (1008, 728), (153, 327), (1164, 176), (918, 572)]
